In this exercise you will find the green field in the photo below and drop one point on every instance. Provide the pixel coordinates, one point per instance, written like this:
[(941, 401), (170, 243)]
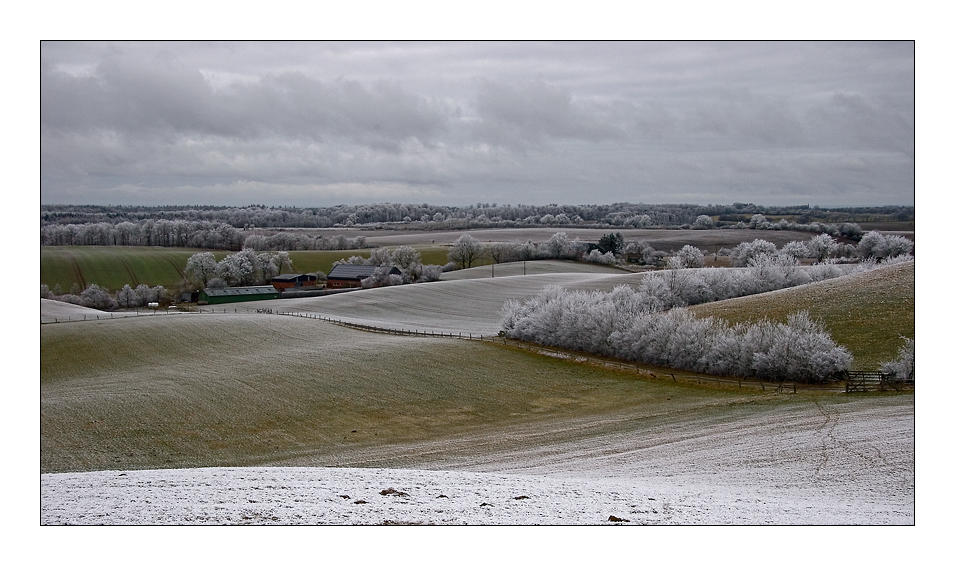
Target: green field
[(115, 266), (194, 390), (868, 313)]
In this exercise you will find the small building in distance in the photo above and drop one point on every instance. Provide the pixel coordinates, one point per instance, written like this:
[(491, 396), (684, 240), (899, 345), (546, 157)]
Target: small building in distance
[(238, 294), (345, 275), (294, 281)]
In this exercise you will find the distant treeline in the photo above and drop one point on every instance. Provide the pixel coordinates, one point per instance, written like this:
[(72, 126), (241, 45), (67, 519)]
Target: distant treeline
[(620, 214), (228, 227)]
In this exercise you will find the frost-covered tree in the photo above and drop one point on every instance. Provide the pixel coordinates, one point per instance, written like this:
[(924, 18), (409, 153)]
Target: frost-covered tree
[(758, 222), (127, 298), (238, 269), (690, 256), (353, 260), (559, 246), (741, 255), (405, 257), (596, 257), (257, 242), (821, 247), (903, 366), (465, 251), (96, 297), (379, 256), (525, 252), (381, 278), (430, 273), (201, 267), (703, 222), (271, 264), (881, 246), (640, 252)]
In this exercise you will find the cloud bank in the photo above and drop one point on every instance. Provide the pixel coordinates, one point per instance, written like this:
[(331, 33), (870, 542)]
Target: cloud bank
[(318, 124)]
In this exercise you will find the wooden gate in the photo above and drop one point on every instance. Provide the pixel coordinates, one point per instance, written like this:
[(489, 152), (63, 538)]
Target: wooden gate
[(875, 381)]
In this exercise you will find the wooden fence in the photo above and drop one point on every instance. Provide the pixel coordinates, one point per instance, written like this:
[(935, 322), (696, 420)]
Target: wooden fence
[(864, 381)]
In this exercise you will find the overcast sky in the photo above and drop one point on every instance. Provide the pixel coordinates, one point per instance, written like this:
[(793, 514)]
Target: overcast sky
[(320, 124)]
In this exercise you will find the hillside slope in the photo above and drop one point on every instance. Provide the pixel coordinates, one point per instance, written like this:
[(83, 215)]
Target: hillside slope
[(866, 312), (465, 306), (252, 389)]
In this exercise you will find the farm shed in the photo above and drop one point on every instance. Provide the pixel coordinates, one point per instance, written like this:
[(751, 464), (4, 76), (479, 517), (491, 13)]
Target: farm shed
[(346, 275), (294, 281), (238, 294)]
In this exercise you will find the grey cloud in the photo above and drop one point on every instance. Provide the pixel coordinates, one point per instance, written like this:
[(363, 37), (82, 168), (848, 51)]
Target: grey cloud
[(559, 121), (533, 113), (166, 98)]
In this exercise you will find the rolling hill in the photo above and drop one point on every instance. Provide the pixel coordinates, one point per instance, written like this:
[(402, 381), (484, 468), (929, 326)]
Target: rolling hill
[(865, 312), (192, 390)]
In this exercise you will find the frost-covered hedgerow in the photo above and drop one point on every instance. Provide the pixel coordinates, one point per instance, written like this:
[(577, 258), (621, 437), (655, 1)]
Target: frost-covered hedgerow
[(649, 326), (626, 324), (683, 287)]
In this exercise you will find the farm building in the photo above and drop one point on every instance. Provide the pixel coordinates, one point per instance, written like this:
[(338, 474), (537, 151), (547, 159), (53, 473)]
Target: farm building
[(294, 281), (238, 294), (346, 275)]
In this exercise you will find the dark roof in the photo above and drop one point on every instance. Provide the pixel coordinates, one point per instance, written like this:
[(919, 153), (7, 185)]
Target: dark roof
[(293, 277), (241, 291), (356, 272)]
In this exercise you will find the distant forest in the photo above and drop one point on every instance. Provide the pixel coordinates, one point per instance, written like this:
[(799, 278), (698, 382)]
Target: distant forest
[(221, 227)]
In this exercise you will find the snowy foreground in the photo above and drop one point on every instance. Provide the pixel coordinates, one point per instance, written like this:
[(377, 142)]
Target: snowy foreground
[(851, 464), (343, 496)]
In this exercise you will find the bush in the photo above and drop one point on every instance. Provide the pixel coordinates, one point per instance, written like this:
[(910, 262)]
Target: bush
[(903, 366)]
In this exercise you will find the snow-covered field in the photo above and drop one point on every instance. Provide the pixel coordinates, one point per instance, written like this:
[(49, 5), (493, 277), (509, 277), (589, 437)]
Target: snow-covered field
[(466, 306), (850, 464)]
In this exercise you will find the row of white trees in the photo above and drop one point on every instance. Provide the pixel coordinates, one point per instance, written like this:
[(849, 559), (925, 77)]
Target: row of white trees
[(246, 267), (467, 250), (186, 233), (874, 245), (96, 297), (683, 287), (651, 326), (620, 324), (425, 216)]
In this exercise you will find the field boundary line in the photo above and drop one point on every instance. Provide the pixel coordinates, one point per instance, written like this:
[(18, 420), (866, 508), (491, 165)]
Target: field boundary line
[(665, 374), (376, 329)]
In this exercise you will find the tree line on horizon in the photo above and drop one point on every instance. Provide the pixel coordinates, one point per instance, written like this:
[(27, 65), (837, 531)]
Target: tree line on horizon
[(229, 227)]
